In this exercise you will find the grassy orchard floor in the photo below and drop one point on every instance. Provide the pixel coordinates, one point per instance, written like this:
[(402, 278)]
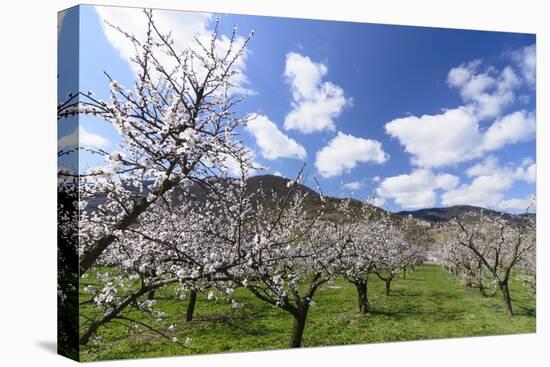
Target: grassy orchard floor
[(429, 303)]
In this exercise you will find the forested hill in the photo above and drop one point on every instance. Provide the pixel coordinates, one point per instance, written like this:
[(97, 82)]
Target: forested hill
[(431, 215), (275, 187), (440, 215), (278, 185)]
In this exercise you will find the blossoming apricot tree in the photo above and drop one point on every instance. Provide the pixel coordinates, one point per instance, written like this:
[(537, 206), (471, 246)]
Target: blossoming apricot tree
[(176, 124)]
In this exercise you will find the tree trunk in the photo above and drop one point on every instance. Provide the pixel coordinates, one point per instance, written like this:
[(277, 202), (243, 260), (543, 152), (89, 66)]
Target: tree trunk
[(299, 325), (151, 295), (362, 298), (191, 306), (404, 272), (481, 286), (388, 284), (468, 280), (507, 300), (88, 258), (113, 313)]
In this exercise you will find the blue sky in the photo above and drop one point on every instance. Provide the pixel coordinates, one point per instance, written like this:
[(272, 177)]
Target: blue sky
[(421, 117)]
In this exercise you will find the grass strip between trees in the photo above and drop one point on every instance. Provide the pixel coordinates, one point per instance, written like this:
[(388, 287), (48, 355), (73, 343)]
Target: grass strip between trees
[(428, 303)]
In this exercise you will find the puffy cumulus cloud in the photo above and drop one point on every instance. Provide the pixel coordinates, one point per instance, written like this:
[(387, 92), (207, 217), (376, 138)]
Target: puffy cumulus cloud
[(184, 27), (272, 142), (454, 136), (417, 189), (438, 140), (69, 141), (489, 184), (485, 191), (487, 92), (235, 169), (82, 137), (516, 204), (514, 128), (526, 172), (354, 185), (304, 75), (316, 104), (378, 201), (490, 166), (527, 60), (469, 83), (90, 139), (343, 153)]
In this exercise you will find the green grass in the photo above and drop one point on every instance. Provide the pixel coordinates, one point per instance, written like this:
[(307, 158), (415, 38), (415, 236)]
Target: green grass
[(429, 303)]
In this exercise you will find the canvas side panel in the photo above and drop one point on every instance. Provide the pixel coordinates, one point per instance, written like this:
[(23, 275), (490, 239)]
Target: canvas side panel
[(68, 183)]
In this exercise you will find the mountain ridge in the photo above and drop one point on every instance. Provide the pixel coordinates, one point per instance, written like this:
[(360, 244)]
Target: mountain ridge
[(431, 215), (278, 185), (444, 214)]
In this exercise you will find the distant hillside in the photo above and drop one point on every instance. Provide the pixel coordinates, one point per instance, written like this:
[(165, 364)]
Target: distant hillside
[(440, 215), (278, 185), (269, 183)]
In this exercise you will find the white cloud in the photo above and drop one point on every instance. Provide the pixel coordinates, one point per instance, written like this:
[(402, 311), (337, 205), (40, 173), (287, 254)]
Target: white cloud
[(438, 140), (488, 166), (488, 92), (417, 189), (234, 167), (514, 128), (485, 191), (515, 204), (343, 153), (315, 103), (90, 139), (278, 173), (527, 61), (455, 136), (304, 75), (184, 26), (526, 172), (82, 137), (354, 185), (377, 201), (468, 81), (69, 141), (272, 142), (489, 184), (376, 179)]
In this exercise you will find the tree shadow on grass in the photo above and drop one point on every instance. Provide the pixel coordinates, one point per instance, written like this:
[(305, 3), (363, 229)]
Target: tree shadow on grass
[(527, 311), (238, 323), (247, 328), (212, 318), (408, 311), (404, 293)]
